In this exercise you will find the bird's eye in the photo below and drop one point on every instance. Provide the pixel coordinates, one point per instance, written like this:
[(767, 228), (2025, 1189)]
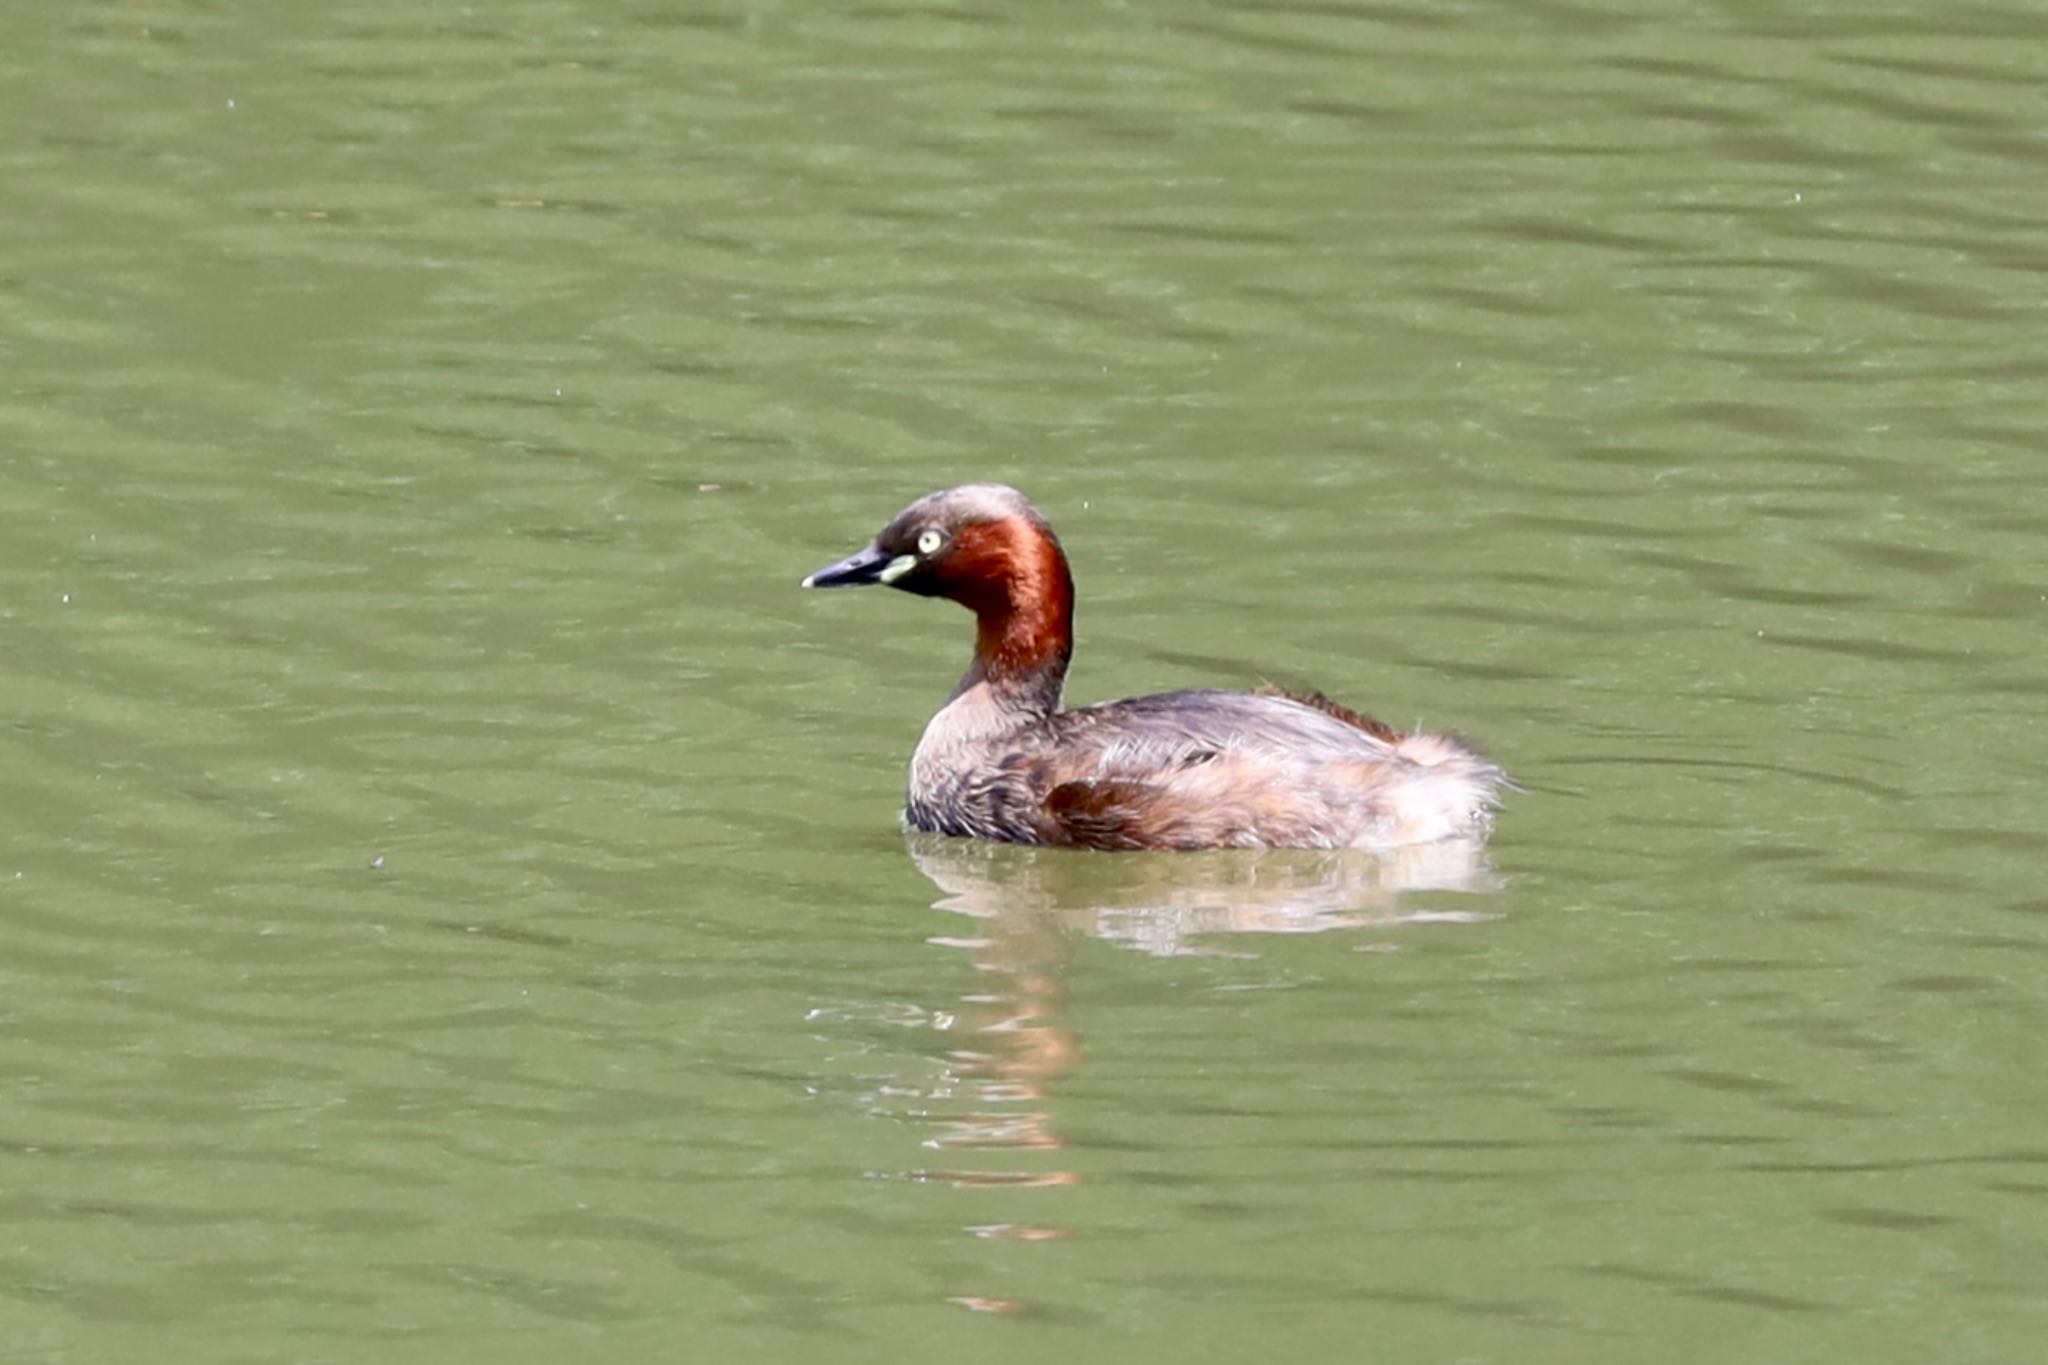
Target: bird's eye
[(928, 541)]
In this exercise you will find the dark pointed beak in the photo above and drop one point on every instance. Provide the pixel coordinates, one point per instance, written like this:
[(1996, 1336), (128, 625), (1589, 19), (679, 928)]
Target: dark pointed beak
[(855, 571)]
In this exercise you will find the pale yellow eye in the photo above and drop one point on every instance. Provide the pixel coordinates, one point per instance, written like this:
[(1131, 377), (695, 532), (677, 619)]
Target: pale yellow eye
[(928, 541)]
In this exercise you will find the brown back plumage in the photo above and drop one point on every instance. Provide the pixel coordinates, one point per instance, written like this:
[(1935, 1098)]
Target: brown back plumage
[(1378, 729)]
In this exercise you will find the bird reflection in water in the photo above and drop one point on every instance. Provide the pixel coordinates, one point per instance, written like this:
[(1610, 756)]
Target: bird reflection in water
[(1012, 1039), (1172, 904)]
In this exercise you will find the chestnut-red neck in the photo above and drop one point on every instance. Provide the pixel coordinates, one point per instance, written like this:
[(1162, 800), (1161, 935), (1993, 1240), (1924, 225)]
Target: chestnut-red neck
[(1013, 576)]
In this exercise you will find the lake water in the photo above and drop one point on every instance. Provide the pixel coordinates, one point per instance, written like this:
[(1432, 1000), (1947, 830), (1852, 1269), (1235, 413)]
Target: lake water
[(454, 902)]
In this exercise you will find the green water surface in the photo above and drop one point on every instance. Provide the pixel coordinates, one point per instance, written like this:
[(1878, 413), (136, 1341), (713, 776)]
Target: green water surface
[(452, 896)]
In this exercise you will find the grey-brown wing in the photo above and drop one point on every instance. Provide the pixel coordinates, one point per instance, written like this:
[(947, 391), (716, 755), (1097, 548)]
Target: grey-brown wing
[(1165, 731)]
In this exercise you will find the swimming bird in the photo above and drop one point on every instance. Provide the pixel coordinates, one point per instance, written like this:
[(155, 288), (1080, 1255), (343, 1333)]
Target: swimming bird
[(1199, 768)]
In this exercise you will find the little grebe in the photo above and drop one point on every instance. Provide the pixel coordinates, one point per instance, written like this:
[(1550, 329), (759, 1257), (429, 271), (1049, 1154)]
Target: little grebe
[(1180, 770)]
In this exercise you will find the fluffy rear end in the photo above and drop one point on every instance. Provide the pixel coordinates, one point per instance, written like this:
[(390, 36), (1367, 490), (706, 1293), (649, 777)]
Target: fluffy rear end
[(1451, 790)]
